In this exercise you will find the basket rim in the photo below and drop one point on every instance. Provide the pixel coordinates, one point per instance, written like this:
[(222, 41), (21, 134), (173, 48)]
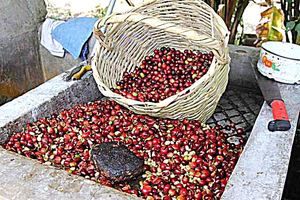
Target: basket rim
[(222, 28), (160, 104)]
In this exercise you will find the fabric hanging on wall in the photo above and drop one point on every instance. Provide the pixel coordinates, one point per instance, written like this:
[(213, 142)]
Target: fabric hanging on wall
[(47, 40), (74, 34)]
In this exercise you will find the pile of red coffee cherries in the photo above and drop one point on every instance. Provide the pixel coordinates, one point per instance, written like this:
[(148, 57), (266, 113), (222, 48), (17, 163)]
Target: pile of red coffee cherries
[(167, 72), (183, 159)]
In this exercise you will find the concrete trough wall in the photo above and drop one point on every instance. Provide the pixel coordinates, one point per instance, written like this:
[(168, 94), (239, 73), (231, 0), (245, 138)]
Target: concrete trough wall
[(51, 97), (23, 178)]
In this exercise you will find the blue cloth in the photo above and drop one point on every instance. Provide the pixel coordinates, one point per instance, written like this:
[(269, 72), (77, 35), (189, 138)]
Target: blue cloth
[(84, 52), (74, 33)]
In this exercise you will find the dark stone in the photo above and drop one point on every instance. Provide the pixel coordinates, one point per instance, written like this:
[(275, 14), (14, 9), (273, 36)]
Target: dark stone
[(116, 162)]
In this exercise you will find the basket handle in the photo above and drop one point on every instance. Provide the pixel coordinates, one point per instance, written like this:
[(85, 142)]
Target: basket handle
[(99, 32), (117, 19), (99, 35)]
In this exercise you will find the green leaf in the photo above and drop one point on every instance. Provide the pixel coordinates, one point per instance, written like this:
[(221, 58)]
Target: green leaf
[(298, 38), (290, 25), (289, 1), (298, 28)]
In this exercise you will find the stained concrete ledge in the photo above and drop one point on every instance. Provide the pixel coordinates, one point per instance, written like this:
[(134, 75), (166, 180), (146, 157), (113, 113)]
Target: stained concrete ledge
[(261, 171)]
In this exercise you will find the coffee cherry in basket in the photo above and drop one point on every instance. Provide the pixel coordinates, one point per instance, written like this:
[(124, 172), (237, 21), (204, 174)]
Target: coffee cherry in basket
[(165, 73)]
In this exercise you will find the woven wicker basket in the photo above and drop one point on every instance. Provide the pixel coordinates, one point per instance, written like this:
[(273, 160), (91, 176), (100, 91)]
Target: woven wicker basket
[(182, 24)]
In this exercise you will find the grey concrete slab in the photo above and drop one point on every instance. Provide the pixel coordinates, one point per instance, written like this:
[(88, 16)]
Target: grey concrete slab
[(261, 170), (51, 97), (26, 179)]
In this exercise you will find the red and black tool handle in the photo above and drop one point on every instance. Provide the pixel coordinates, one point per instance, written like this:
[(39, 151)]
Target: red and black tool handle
[(281, 119)]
